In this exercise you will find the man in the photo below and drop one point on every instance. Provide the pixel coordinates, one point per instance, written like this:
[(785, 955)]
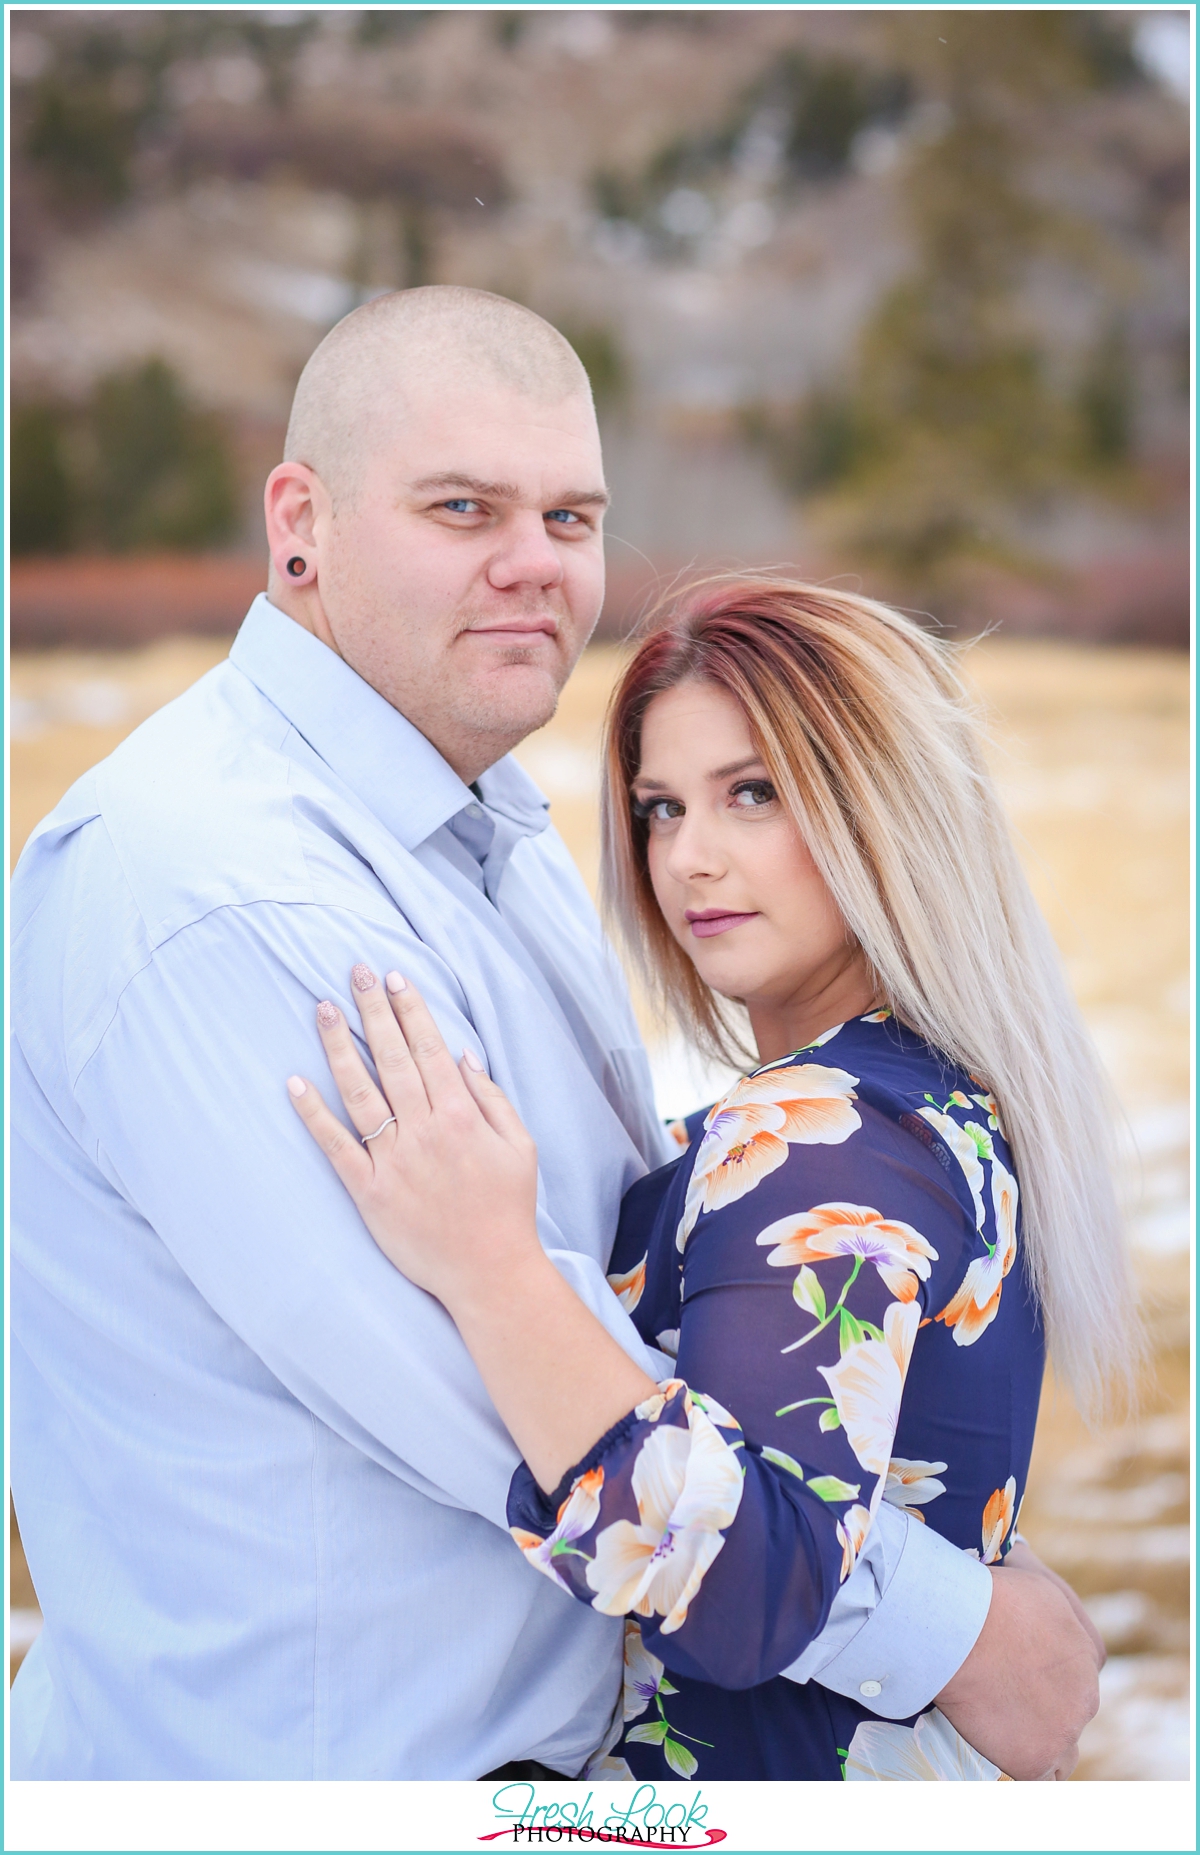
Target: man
[(261, 1489)]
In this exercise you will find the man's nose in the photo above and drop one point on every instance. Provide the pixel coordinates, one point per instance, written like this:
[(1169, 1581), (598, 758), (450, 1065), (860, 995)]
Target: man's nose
[(526, 555)]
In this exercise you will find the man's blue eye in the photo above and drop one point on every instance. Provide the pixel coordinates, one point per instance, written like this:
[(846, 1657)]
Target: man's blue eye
[(461, 505), (562, 515)]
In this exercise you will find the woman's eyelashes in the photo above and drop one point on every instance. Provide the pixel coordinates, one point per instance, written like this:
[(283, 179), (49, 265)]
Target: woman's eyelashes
[(657, 811), (748, 796), (753, 794)]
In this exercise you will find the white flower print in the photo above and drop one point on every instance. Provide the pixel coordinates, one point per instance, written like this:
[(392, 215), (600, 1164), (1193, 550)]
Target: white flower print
[(882, 1752), (911, 1484), (867, 1382), (645, 1675), (965, 1152), (688, 1486)]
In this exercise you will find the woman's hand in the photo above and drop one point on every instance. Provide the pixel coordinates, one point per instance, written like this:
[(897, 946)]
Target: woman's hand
[(445, 1178), (446, 1182)]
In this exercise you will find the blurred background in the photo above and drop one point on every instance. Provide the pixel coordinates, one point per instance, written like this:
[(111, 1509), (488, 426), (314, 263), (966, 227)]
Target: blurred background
[(900, 298)]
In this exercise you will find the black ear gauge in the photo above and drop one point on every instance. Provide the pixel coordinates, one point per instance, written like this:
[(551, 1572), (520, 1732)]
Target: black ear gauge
[(297, 566)]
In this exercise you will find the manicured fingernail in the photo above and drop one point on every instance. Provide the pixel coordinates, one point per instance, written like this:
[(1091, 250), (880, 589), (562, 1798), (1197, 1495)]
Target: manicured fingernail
[(362, 978), (472, 1062), (327, 1015), (396, 983), (297, 1086)]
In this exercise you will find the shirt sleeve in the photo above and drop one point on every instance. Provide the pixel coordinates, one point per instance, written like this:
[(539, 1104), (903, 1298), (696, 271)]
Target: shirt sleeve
[(185, 1101), (726, 1512), (903, 1623)]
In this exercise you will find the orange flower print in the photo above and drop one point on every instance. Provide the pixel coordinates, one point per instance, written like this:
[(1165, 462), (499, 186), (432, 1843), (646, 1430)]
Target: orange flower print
[(748, 1132), (815, 1100), (679, 1133), (630, 1287), (973, 1309), (578, 1513), (899, 1253), (997, 1519)]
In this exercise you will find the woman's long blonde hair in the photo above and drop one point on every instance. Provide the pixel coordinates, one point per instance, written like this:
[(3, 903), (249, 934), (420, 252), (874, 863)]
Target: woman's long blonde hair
[(873, 744)]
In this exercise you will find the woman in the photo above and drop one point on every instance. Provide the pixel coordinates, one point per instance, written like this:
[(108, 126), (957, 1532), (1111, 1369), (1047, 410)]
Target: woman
[(804, 853)]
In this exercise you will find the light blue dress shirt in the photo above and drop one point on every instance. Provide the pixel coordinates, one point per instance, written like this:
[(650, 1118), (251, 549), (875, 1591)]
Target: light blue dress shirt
[(260, 1485)]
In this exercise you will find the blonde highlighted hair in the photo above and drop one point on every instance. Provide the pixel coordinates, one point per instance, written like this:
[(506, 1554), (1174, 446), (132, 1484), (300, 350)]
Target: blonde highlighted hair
[(874, 746)]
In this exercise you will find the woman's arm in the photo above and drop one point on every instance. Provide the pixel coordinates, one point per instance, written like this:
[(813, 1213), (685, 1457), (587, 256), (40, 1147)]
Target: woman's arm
[(448, 1190)]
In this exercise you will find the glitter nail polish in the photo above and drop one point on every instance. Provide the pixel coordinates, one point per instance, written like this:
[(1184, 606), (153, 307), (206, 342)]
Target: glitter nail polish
[(327, 1015), (362, 978)]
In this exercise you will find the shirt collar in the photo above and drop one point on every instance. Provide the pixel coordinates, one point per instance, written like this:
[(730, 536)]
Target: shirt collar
[(371, 747)]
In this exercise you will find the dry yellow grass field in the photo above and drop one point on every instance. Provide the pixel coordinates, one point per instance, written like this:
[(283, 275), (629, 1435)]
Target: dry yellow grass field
[(1090, 746)]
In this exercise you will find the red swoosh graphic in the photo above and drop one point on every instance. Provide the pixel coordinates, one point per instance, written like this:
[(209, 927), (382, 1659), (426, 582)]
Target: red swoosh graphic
[(611, 1840)]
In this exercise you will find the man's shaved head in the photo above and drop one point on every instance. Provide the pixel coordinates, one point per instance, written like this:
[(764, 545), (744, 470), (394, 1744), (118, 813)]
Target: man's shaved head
[(438, 520), (356, 386)]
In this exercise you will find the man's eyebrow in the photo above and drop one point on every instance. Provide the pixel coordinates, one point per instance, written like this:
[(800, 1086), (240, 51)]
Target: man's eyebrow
[(457, 480), (507, 492), (720, 772)]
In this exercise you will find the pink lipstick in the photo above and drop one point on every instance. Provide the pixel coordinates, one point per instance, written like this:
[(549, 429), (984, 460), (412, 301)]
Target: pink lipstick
[(705, 922)]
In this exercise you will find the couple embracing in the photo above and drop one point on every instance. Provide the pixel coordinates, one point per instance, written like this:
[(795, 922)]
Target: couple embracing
[(392, 1396)]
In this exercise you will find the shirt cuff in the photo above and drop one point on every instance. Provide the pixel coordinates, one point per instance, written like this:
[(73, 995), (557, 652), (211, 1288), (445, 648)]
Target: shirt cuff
[(896, 1636)]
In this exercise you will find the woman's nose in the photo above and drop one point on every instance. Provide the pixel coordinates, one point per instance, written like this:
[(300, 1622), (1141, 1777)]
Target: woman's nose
[(693, 853)]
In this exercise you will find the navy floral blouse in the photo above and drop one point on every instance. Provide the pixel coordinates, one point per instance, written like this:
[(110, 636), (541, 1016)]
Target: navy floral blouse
[(831, 1262)]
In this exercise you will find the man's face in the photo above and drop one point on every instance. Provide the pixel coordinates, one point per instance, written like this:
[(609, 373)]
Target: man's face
[(464, 577)]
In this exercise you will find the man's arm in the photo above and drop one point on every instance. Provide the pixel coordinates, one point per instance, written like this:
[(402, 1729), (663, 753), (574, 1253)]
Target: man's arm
[(1004, 1652), (1029, 1686), (903, 1623), (186, 1098)]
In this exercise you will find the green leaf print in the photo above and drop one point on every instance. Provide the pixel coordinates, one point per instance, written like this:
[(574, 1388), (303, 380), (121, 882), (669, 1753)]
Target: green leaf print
[(679, 1758), (783, 1461), (808, 1293), (830, 1420), (833, 1488), (850, 1331), (982, 1139), (651, 1735)]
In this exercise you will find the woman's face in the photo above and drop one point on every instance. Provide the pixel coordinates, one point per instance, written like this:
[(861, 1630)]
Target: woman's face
[(733, 876)]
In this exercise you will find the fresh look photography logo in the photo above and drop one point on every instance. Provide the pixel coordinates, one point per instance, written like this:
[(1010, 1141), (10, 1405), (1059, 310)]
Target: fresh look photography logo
[(644, 1822)]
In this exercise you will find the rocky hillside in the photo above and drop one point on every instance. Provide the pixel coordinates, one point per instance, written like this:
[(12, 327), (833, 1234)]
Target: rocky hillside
[(732, 213)]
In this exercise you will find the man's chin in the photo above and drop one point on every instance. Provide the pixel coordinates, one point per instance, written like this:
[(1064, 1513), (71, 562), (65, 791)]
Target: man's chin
[(514, 700)]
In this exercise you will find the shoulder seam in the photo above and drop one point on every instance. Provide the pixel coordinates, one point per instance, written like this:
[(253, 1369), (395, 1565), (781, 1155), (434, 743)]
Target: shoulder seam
[(265, 901)]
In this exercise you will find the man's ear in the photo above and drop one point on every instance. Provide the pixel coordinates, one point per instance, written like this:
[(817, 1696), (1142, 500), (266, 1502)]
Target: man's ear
[(290, 501)]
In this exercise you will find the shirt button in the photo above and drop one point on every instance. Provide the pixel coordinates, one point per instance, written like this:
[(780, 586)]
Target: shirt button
[(869, 1689), (474, 811)]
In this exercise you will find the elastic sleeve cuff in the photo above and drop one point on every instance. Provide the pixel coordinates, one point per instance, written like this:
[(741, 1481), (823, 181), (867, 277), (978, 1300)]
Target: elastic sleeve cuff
[(920, 1633)]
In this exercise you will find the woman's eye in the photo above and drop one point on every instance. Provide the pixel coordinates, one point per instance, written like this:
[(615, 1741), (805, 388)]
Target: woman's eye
[(753, 795), (658, 811)]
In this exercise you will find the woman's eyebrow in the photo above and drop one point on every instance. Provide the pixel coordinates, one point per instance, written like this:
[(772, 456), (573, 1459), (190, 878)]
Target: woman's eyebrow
[(721, 772)]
